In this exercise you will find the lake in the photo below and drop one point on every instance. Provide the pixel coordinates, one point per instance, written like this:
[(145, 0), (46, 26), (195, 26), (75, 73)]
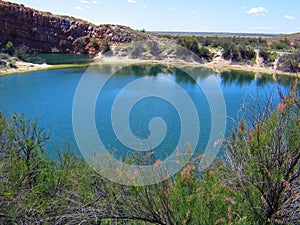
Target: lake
[(57, 59), (48, 96)]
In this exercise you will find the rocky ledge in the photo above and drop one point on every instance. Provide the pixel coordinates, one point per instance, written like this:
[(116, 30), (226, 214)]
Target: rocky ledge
[(44, 32)]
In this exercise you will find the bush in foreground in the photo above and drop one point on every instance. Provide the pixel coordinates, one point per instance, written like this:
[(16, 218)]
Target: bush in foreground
[(264, 163)]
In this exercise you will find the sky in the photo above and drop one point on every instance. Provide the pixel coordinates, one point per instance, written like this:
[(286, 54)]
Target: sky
[(237, 16)]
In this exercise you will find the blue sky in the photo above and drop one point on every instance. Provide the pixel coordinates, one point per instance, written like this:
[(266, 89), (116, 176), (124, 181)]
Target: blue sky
[(250, 16)]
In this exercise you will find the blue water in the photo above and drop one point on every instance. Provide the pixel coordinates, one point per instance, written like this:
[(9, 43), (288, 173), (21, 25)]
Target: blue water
[(48, 97)]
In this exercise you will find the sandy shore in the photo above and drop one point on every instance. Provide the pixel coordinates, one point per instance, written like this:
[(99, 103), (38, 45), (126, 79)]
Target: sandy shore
[(217, 66), (23, 67)]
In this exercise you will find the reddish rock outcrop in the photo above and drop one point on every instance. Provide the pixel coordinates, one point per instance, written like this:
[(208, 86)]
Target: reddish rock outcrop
[(44, 32)]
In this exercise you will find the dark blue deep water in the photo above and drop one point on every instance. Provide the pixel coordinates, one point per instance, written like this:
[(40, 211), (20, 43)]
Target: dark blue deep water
[(48, 97)]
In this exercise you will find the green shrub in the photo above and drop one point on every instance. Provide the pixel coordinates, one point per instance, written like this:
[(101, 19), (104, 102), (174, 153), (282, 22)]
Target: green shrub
[(205, 53), (9, 48), (189, 43), (264, 162), (105, 47), (268, 57), (95, 42), (290, 63)]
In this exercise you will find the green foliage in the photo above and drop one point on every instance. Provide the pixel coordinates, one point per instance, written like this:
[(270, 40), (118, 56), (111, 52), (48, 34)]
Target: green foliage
[(236, 49), (205, 53), (265, 161), (105, 47), (268, 57), (189, 43), (282, 44), (95, 42), (9, 48), (290, 63), (238, 53)]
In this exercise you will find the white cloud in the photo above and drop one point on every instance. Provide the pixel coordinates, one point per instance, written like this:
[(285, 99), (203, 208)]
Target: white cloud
[(258, 11), (289, 17), (84, 1), (132, 1), (78, 8), (95, 2)]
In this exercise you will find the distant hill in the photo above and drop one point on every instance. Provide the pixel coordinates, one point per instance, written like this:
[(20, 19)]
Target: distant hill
[(219, 34), (293, 38)]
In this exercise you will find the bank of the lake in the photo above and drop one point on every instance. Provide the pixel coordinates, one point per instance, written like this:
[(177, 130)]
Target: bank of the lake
[(219, 66)]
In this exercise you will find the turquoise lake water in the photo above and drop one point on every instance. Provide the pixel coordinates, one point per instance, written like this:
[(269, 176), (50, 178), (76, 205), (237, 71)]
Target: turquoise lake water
[(48, 97)]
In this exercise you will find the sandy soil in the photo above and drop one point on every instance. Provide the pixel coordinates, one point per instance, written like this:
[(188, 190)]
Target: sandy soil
[(218, 65), (22, 67)]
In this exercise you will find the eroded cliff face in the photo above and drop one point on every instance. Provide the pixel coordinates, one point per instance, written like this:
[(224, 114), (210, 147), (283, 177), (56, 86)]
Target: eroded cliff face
[(44, 32)]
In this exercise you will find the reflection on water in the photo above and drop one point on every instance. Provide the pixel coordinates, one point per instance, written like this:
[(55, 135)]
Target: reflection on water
[(242, 78), (264, 79), (180, 73), (236, 77), (286, 80)]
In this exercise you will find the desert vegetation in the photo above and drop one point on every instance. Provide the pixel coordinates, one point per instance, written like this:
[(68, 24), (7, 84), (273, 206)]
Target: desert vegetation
[(241, 50), (255, 182)]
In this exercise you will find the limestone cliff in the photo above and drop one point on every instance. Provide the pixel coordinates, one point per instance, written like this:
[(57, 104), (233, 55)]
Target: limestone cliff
[(44, 32)]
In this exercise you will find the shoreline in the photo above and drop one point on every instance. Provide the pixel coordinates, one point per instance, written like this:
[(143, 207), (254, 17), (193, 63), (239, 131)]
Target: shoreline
[(218, 67), (31, 67)]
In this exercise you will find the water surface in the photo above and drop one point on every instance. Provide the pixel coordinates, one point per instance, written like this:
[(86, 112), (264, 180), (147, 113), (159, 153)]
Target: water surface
[(48, 97)]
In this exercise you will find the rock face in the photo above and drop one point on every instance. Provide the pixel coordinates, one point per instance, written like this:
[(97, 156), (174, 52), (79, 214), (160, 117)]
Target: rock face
[(44, 32)]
